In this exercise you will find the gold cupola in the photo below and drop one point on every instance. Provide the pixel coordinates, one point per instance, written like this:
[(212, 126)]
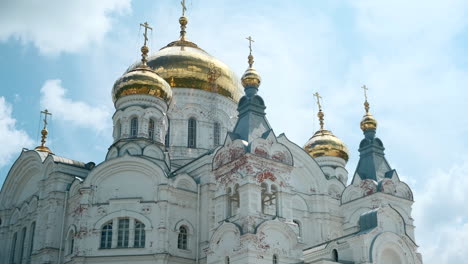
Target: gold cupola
[(368, 121), (323, 142), (142, 79), (183, 64)]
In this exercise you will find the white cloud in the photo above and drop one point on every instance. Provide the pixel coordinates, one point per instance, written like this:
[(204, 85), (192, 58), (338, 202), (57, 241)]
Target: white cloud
[(53, 97), (12, 139), (441, 216), (56, 26)]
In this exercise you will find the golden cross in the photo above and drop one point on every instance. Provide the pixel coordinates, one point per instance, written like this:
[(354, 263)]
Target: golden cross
[(365, 91), (250, 39), (46, 113), (318, 100), (184, 8), (146, 26)]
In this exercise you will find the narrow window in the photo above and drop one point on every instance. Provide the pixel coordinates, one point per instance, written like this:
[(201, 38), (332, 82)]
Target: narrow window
[(118, 130), (182, 238), (106, 235), (23, 241), (31, 239), (151, 129), (192, 133), (167, 137), (216, 134), (275, 259), (13, 248), (335, 255), (298, 227), (134, 127), (123, 232), (234, 201), (140, 235), (71, 241), (227, 260)]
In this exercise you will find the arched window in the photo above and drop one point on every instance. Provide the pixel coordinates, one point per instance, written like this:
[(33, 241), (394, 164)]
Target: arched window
[(269, 199), (298, 227), (140, 235), (216, 133), (23, 241), (182, 238), (167, 137), (106, 235), (134, 127), (13, 248), (151, 129), (118, 130), (192, 133), (275, 259), (31, 238), (123, 232), (335, 255), (71, 241)]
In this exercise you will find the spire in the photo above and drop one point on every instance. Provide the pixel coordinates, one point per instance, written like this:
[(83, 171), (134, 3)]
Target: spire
[(144, 48), (251, 122), (320, 114), (44, 133), (183, 21), (368, 122)]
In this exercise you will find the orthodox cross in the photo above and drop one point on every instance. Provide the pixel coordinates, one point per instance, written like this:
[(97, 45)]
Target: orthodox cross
[(46, 113), (146, 26), (184, 8), (365, 91), (318, 100), (250, 39)]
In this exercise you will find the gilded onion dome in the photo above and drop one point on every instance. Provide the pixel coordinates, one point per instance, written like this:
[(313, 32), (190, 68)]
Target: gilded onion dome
[(324, 143), (183, 64), (142, 79), (368, 121)]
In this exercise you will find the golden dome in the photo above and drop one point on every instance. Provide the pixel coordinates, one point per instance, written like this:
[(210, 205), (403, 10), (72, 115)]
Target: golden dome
[(251, 78), (183, 64), (324, 143), (141, 80), (368, 122)]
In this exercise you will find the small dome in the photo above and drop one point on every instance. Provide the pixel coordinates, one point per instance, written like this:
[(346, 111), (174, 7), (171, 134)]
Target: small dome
[(251, 78), (141, 80), (368, 122), (324, 143)]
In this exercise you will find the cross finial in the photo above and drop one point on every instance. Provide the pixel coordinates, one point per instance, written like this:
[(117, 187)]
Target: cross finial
[(251, 61), (44, 133), (146, 26), (320, 114), (184, 8), (366, 104)]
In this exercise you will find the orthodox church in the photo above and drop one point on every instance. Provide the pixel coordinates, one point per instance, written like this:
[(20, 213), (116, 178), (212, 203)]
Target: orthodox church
[(196, 174)]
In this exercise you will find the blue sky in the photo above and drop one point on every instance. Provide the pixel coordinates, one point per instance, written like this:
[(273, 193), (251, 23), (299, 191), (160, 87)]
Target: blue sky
[(65, 56)]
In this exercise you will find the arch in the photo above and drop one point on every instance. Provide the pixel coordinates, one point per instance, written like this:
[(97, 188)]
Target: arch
[(106, 235), (394, 246), (70, 240), (183, 222), (112, 153), (140, 235), (185, 182), (335, 255), (182, 238), (122, 214), (153, 151), (130, 148), (192, 133)]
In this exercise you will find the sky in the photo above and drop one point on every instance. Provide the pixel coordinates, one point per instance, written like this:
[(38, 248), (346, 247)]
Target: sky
[(412, 55)]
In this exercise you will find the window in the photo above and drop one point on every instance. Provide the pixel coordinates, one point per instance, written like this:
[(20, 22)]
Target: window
[(134, 127), (151, 129), (234, 201), (298, 227), (335, 255), (13, 248), (106, 235), (140, 235), (71, 241), (192, 133), (167, 137), (182, 238), (275, 259), (216, 134), (31, 239), (118, 130), (269, 200), (227, 260), (23, 241), (123, 232)]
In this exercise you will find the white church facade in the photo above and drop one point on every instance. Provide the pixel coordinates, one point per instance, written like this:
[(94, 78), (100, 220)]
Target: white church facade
[(195, 174)]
